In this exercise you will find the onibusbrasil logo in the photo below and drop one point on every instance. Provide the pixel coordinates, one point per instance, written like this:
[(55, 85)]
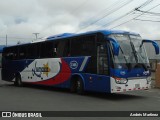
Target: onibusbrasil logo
[(21, 114)]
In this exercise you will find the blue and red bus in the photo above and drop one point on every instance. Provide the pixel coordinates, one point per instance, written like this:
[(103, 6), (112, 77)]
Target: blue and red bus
[(102, 61)]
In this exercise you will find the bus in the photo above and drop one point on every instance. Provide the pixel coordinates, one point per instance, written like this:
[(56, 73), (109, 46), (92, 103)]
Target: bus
[(101, 61), (1, 49)]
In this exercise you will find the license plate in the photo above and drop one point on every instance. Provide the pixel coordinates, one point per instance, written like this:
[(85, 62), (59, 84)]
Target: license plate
[(137, 85)]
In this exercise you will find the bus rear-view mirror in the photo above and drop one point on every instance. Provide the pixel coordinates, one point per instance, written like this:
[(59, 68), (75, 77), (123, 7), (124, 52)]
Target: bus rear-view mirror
[(154, 43)]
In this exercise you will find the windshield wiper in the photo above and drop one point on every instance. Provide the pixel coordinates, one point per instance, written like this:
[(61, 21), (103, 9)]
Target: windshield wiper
[(142, 65), (127, 64), (123, 54), (137, 55), (134, 52)]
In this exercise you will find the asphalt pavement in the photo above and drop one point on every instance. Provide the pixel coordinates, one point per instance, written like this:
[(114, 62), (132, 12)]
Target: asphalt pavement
[(38, 98)]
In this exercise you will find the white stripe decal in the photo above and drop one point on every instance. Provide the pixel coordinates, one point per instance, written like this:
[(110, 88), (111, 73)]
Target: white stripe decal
[(83, 63)]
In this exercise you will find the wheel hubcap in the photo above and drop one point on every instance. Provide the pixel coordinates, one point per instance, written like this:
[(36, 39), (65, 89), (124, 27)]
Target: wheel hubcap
[(78, 84)]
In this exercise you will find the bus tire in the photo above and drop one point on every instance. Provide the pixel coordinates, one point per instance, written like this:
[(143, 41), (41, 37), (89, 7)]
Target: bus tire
[(18, 81), (79, 86), (73, 86)]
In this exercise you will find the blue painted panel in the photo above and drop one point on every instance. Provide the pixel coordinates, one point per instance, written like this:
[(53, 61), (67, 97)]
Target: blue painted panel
[(12, 67), (75, 63), (98, 83), (125, 73)]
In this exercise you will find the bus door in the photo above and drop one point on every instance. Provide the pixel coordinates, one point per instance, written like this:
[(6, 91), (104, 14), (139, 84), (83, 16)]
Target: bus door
[(102, 61)]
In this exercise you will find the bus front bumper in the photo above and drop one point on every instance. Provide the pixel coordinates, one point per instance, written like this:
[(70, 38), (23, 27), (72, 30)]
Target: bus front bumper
[(131, 85)]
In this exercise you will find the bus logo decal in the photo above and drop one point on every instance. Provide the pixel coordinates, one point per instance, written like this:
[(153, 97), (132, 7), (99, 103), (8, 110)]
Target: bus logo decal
[(146, 72), (123, 72), (45, 70), (73, 64)]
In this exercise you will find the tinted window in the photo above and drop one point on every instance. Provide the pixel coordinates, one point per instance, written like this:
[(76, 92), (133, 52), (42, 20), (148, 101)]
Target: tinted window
[(11, 53), (63, 48), (33, 52), (83, 46), (47, 50), (22, 52)]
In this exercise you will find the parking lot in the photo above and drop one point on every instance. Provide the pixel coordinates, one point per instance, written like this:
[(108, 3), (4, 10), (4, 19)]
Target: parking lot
[(33, 98), (36, 98)]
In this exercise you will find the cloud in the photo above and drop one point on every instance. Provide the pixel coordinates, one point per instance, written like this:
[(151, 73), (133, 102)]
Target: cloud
[(48, 17)]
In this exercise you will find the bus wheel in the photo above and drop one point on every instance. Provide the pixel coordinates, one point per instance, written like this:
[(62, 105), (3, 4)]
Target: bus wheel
[(79, 86), (18, 81), (73, 86)]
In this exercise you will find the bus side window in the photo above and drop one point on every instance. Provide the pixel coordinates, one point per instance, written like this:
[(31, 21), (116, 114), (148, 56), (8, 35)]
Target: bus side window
[(63, 48), (88, 47), (102, 59), (83, 46), (66, 52), (47, 49), (10, 56), (22, 52), (5, 54), (11, 53), (76, 47), (60, 48), (42, 50), (15, 53), (32, 51)]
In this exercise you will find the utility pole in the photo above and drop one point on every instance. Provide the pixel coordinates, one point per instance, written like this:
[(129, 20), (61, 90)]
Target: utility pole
[(6, 40), (36, 34)]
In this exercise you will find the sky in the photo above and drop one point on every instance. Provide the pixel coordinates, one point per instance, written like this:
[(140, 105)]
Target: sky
[(19, 19)]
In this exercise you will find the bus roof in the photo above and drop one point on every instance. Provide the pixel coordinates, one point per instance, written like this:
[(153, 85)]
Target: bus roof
[(68, 35), (104, 32)]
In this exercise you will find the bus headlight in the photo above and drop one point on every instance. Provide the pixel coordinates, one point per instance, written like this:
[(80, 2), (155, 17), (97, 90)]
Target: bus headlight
[(121, 80), (148, 80)]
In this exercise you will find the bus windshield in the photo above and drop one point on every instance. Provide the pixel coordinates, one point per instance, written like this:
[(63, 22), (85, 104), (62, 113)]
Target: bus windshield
[(131, 51)]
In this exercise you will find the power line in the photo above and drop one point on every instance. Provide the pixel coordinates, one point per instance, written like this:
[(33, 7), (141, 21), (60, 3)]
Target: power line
[(146, 20), (143, 5), (152, 13), (146, 15), (104, 10), (150, 17), (105, 25), (134, 17), (111, 12)]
